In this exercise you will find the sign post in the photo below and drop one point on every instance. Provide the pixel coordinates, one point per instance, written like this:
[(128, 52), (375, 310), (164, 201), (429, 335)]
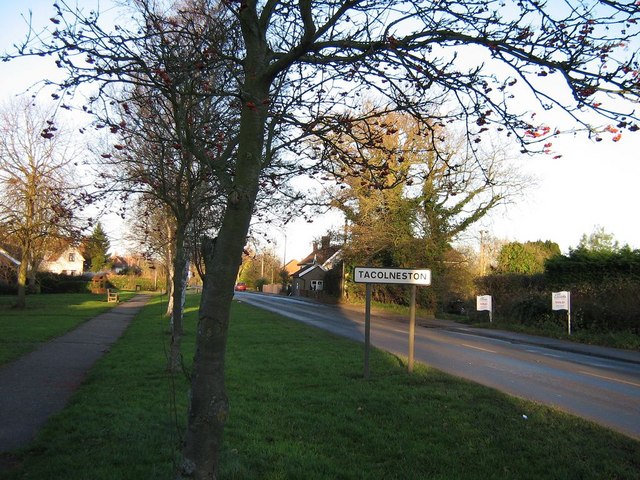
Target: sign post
[(412, 326), (562, 301), (483, 303), (367, 330), (401, 276)]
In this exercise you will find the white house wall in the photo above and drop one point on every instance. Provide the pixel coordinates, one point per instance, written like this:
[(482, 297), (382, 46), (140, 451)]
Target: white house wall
[(63, 264)]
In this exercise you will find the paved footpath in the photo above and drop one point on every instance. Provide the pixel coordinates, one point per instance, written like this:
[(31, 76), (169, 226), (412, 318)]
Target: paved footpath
[(38, 385)]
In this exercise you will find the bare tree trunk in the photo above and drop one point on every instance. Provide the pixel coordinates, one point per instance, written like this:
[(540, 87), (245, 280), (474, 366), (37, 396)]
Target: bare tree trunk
[(180, 269), (21, 300), (170, 283), (209, 406), (171, 269), (185, 278)]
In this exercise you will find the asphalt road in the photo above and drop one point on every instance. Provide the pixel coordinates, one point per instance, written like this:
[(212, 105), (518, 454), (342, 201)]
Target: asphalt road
[(599, 384)]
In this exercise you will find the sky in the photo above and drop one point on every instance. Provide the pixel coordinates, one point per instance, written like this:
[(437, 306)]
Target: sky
[(593, 185)]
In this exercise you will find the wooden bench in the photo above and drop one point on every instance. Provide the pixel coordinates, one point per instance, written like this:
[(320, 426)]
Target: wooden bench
[(112, 296)]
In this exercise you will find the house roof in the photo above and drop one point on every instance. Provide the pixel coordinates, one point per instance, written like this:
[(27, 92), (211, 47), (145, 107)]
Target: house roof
[(117, 260), (62, 247), (332, 260), (321, 253), (292, 266), (307, 269)]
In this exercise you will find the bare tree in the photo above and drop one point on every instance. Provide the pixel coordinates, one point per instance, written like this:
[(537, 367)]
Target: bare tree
[(147, 228), (149, 164), (37, 192), (295, 68), (173, 130), (167, 129)]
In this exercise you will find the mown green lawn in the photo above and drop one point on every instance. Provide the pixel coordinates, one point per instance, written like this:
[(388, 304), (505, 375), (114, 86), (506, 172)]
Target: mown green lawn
[(300, 409), (45, 317)]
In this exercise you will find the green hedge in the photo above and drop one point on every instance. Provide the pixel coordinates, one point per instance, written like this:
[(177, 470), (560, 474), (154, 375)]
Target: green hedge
[(592, 267), (607, 304), (59, 283), (604, 286), (129, 282)]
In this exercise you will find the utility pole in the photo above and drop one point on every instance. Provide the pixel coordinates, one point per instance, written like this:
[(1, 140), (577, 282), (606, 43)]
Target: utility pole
[(284, 255), (482, 253)]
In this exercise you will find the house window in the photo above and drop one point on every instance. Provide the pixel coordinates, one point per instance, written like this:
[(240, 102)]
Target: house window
[(316, 284), (72, 257)]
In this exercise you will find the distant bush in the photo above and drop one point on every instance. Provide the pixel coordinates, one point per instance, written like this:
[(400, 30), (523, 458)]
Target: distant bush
[(59, 283), (129, 282), (260, 283), (527, 257)]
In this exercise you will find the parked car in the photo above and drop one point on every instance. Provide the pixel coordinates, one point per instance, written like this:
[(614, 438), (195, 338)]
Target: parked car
[(241, 287)]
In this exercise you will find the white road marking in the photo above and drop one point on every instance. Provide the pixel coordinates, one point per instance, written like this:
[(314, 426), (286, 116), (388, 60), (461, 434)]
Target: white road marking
[(633, 384), (478, 348), (552, 355)]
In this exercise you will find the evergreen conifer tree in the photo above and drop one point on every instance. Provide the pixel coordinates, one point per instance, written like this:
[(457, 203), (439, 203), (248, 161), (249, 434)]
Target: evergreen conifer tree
[(97, 249)]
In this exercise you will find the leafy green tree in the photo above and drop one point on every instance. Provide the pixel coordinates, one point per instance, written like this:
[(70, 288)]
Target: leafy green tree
[(527, 257), (97, 249), (257, 267), (406, 201), (599, 241)]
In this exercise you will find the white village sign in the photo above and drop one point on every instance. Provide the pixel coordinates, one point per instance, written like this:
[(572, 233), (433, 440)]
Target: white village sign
[(392, 276), (401, 276)]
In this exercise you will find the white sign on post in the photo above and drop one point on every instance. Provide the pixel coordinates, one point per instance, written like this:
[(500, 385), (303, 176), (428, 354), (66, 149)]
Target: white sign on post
[(401, 276), (562, 301), (483, 303)]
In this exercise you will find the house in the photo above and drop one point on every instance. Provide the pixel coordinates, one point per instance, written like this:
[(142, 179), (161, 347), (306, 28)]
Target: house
[(66, 260), (313, 269), (118, 264), (292, 267)]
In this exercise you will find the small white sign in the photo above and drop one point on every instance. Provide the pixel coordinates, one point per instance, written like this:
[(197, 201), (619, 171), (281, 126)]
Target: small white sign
[(561, 301), (483, 303), (392, 275)]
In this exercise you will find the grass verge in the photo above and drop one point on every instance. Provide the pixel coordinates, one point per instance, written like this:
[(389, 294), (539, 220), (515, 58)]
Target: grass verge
[(300, 410), (45, 317)]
